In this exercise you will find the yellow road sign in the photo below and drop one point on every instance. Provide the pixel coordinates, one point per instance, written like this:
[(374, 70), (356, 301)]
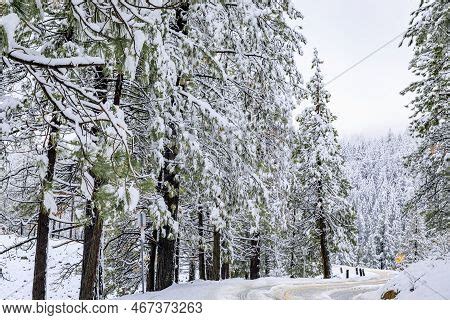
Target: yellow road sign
[(400, 258)]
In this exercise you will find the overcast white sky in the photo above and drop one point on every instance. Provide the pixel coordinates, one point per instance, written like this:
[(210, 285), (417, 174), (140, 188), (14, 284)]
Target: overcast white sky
[(366, 100)]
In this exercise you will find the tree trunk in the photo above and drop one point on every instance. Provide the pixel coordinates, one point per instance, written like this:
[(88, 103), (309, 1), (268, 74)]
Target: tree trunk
[(225, 271), (201, 247), (216, 255), (208, 267), (72, 215), (53, 228), (292, 262), (151, 264), (100, 285), (191, 270), (255, 257), (40, 261), (267, 264), (324, 250), (225, 268), (165, 266), (91, 248), (177, 261), (169, 187), (382, 254)]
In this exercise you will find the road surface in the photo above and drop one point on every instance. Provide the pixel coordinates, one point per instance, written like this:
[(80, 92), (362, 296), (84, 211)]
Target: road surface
[(337, 289)]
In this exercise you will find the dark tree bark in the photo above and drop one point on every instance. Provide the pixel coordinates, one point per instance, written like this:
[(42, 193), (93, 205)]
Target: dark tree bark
[(266, 264), (382, 266), (40, 261), (91, 249), (255, 259), (151, 264), (225, 271), (225, 268), (201, 247), (324, 250), (52, 235), (225, 256), (191, 270), (165, 267), (169, 188), (98, 294), (177, 261), (292, 262), (72, 215), (216, 255), (208, 267)]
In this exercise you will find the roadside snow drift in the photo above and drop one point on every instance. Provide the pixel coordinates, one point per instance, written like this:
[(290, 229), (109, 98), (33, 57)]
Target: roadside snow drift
[(424, 280)]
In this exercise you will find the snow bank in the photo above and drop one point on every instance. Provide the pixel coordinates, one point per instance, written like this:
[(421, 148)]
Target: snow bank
[(424, 280)]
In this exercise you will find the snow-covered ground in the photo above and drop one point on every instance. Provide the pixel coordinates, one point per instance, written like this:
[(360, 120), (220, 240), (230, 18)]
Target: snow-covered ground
[(423, 280), (17, 267), (274, 288), (429, 279), (17, 274)]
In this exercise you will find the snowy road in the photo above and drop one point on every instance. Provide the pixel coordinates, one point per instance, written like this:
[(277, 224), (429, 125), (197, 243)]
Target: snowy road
[(341, 289), (277, 288)]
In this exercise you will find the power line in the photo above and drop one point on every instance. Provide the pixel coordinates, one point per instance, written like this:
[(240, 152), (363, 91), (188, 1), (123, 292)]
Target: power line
[(365, 58), (424, 282)]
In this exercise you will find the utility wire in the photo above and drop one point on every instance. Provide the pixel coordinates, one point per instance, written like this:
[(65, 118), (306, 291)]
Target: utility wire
[(365, 58), (424, 282)]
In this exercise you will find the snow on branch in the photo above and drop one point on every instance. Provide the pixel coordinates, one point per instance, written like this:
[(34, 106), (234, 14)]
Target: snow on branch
[(17, 245), (20, 55), (26, 56)]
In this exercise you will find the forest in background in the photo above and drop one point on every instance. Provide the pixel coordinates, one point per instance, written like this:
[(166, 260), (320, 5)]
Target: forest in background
[(181, 112)]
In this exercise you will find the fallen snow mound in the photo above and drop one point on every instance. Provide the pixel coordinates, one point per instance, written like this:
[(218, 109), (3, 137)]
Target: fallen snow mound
[(424, 280)]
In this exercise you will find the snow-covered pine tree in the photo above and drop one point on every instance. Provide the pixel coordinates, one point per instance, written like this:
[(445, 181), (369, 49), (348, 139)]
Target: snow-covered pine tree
[(214, 158), (321, 173), (428, 31), (269, 81), (76, 86), (381, 188), (415, 244), (229, 113)]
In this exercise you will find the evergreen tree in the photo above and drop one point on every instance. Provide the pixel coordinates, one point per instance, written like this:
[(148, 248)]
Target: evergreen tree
[(415, 245), (428, 31), (382, 186), (321, 170)]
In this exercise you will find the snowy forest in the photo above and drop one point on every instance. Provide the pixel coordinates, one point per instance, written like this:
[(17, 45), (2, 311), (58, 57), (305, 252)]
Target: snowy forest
[(150, 142)]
